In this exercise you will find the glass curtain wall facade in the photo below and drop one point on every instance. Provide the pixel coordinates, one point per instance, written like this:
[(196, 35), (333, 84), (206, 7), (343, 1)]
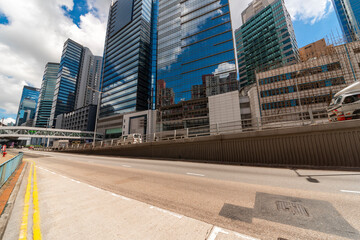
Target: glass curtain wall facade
[(265, 40), (28, 105), (65, 89), (126, 77), (47, 91), (195, 40), (154, 39), (348, 13)]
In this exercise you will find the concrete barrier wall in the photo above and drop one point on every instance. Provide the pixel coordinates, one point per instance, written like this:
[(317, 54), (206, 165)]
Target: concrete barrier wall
[(330, 145)]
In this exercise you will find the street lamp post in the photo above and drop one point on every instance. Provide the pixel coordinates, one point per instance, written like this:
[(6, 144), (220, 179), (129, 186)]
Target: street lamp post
[(97, 113)]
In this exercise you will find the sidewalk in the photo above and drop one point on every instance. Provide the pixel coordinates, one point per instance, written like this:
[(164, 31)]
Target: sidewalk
[(70, 209), (6, 158)]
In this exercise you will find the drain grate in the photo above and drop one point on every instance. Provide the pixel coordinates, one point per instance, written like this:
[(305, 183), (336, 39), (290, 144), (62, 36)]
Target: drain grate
[(291, 207)]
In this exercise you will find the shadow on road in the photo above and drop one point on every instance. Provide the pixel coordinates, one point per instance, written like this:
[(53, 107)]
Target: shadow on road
[(314, 180)]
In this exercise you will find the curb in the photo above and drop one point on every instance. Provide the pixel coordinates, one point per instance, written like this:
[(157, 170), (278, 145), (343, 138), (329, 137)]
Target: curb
[(5, 216)]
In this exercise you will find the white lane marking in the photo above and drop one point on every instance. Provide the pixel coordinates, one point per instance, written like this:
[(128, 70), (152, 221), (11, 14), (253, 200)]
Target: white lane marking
[(93, 187), (242, 236), (74, 180), (167, 212), (122, 197), (215, 232), (195, 174), (126, 166), (348, 191)]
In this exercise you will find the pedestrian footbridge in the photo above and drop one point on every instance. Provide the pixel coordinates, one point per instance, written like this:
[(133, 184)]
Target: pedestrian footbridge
[(26, 132)]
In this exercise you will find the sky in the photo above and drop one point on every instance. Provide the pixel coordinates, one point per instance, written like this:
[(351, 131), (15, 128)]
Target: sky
[(32, 33)]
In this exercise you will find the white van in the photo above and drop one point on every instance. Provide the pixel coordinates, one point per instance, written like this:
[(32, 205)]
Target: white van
[(345, 105), (134, 138)]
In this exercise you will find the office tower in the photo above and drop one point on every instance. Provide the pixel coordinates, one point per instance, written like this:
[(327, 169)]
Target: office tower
[(348, 13), (27, 106), (78, 80), (89, 80), (265, 40), (194, 40), (65, 89), (127, 66), (43, 111), (126, 75)]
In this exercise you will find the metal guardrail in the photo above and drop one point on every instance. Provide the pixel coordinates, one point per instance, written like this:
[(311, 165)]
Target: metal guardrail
[(9, 167)]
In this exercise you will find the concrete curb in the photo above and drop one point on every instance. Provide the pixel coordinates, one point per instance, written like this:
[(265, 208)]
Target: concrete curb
[(4, 218)]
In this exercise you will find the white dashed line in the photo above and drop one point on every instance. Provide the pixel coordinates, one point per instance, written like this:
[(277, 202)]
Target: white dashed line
[(348, 191), (167, 212), (126, 166), (196, 174)]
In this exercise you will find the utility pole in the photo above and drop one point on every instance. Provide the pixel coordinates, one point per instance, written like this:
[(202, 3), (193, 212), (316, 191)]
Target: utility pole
[(97, 113)]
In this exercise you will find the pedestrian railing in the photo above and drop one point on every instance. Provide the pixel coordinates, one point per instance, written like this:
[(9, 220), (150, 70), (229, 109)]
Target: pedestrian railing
[(9, 167)]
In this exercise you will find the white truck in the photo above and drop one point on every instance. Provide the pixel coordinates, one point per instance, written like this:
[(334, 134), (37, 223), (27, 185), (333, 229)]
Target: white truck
[(134, 138), (345, 104)]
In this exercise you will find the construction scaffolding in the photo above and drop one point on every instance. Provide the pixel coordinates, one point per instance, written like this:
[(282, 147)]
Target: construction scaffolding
[(308, 85)]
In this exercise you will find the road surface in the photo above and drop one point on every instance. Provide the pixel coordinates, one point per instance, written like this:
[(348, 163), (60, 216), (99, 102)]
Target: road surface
[(95, 197)]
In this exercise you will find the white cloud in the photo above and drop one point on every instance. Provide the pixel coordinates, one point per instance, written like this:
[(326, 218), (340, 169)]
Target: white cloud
[(223, 69), (7, 121), (309, 11), (35, 36)]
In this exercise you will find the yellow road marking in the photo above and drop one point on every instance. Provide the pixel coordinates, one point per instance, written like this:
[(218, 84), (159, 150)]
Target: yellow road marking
[(36, 215), (24, 223)]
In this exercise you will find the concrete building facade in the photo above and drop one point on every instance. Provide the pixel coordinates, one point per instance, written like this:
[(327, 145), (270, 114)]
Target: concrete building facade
[(315, 50), (89, 80), (309, 85), (82, 119)]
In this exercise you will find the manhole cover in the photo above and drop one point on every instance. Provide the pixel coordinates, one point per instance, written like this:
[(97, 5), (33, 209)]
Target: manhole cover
[(291, 207)]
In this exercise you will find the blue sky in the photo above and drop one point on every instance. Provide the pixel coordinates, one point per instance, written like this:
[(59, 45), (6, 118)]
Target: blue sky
[(307, 33), (28, 41), (3, 19), (80, 8)]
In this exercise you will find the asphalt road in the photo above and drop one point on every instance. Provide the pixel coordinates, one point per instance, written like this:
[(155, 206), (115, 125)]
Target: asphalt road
[(265, 203)]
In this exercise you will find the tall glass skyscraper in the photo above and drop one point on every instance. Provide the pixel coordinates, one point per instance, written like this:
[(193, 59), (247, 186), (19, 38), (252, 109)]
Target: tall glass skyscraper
[(196, 58), (265, 40), (65, 89), (195, 40), (348, 13), (27, 106), (126, 79), (46, 97)]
